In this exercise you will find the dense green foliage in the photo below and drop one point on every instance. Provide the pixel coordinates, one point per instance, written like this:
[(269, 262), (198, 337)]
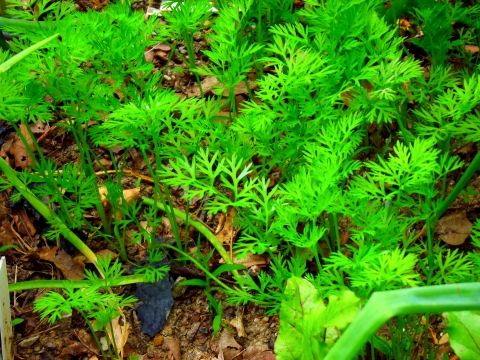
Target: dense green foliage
[(350, 130)]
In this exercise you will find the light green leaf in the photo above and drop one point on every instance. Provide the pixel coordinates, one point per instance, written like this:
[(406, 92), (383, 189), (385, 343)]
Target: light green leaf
[(464, 330), (307, 327)]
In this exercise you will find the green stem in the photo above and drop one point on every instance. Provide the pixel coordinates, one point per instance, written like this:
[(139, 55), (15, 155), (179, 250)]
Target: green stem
[(45, 211), (191, 54), (3, 41), (170, 56), (426, 348), (208, 274), (77, 284), (382, 306), (94, 334), (3, 8), (200, 227), (467, 175)]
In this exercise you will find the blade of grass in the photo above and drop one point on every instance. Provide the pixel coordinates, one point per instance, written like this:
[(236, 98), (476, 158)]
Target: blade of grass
[(21, 55)]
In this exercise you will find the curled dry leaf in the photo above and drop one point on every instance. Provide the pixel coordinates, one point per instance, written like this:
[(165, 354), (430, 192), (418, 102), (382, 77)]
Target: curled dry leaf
[(237, 322), (454, 229), (70, 269), (129, 195), (120, 333)]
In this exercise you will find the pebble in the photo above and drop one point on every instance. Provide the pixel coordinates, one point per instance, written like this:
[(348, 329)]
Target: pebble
[(166, 77), (158, 340), (28, 342)]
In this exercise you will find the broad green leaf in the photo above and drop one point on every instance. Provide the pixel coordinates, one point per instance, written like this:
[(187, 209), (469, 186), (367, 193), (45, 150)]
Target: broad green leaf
[(340, 310), (464, 330), (307, 327)]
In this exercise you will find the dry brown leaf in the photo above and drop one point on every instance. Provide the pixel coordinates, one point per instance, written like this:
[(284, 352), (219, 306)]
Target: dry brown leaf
[(70, 269), (129, 195), (23, 223), (227, 340), (454, 229), (102, 190), (221, 223), (237, 322), (210, 86), (120, 333), (104, 163), (444, 339), (19, 151), (258, 352), (39, 127), (251, 260), (6, 233), (229, 232), (149, 55), (105, 252), (472, 48), (85, 344), (344, 236), (174, 347)]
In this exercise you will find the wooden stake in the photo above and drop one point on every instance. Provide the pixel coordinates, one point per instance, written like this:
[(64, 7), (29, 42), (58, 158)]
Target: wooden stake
[(5, 315)]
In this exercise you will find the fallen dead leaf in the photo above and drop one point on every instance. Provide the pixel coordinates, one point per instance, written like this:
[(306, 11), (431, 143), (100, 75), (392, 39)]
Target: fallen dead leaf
[(228, 232), (85, 344), (258, 352), (19, 150), (344, 236), (444, 339), (472, 48), (129, 195), (120, 334), (6, 234), (454, 229), (106, 252), (227, 340), (210, 86), (23, 223), (237, 322), (251, 260), (174, 347), (39, 127), (70, 269), (104, 163)]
